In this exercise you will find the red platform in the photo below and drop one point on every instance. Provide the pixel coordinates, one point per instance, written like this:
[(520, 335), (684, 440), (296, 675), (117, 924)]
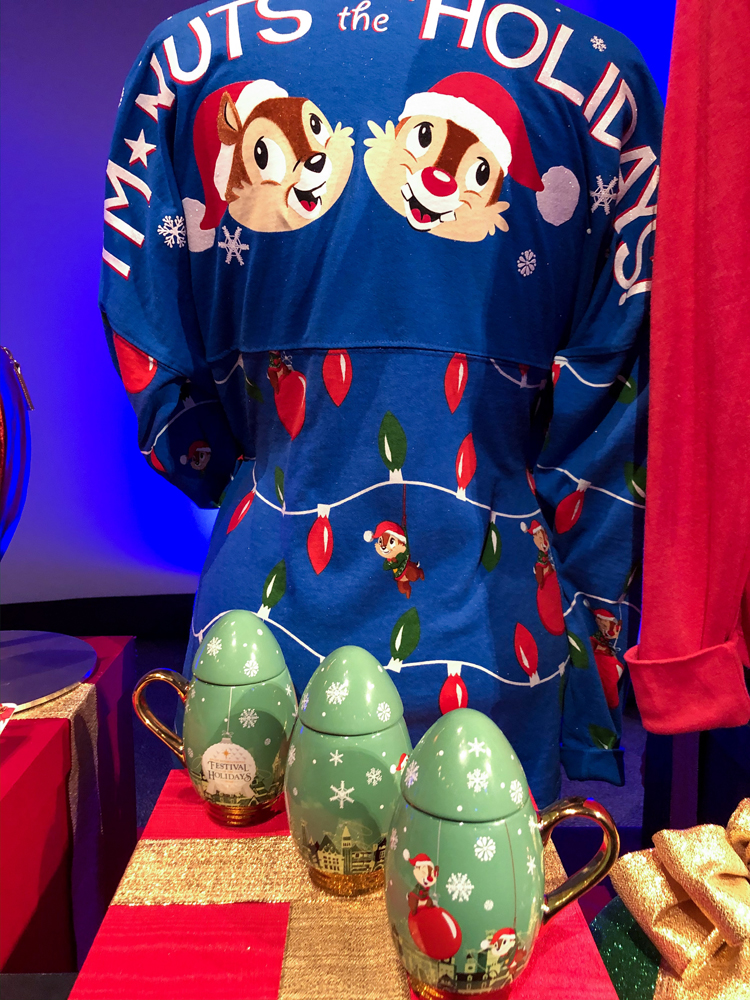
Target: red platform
[(58, 875), (233, 951)]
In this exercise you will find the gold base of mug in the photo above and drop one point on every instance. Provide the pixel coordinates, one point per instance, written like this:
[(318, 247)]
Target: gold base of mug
[(244, 815), (348, 885), (426, 992)]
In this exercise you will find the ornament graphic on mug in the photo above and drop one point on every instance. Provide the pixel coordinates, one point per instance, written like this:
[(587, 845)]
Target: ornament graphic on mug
[(465, 867), (347, 751), (240, 709)]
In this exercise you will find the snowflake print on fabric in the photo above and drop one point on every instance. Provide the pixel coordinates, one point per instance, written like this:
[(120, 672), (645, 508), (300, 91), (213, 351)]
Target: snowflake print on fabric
[(526, 263), (305, 701), (476, 748), (336, 758), (251, 668), (384, 711), (248, 717), (233, 246), (173, 230), (516, 792), (214, 646), (337, 692), (341, 795), (394, 839), (488, 904), (530, 864), (373, 776), (604, 194), (599, 44), (292, 756), (477, 780), (459, 887), (484, 848), (411, 774)]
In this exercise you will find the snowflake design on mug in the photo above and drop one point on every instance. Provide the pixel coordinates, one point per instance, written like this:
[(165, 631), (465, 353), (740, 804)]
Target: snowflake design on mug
[(411, 774), (484, 848), (516, 791), (384, 711), (459, 887), (336, 692), (477, 780), (248, 717), (252, 667), (213, 647)]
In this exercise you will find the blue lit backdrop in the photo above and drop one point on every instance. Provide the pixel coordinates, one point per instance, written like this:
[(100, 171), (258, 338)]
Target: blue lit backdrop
[(98, 521)]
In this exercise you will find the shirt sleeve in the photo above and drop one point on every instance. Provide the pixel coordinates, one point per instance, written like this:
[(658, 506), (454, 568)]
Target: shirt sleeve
[(146, 294), (590, 477), (688, 668)]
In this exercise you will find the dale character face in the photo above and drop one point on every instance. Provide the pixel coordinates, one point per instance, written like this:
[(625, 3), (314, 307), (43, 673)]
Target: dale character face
[(608, 627), (425, 873), (289, 166), (439, 176)]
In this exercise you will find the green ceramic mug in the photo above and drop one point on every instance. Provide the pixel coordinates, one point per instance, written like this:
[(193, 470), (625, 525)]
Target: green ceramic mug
[(240, 709), (342, 779), (465, 867)]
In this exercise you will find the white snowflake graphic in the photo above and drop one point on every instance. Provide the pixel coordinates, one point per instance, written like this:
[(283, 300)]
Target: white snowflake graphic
[(248, 717), (599, 44), (305, 701), (341, 795), (530, 864), (192, 693), (394, 839), (478, 780), (533, 824), (526, 263), (336, 692), (292, 756), (336, 758), (476, 747), (233, 246), (373, 776), (214, 646), (485, 848), (516, 791), (288, 690), (488, 904), (173, 230), (604, 194), (459, 887), (411, 774), (252, 667), (384, 711), (190, 752)]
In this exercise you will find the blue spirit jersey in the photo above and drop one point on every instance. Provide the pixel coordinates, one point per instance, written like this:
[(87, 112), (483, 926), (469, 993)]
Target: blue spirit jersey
[(376, 280)]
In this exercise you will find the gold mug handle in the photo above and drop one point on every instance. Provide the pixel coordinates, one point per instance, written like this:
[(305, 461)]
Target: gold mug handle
[(147, 717), (600, 864)]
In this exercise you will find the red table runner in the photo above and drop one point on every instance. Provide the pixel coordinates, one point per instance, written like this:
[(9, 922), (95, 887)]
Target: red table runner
[(306, 949)]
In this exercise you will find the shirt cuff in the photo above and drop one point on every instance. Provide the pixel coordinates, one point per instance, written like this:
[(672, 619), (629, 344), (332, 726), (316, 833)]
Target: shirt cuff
[(686, 694)]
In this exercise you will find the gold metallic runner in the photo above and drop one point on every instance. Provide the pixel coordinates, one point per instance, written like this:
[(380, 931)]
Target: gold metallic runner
[(336, 949), (246, 870)]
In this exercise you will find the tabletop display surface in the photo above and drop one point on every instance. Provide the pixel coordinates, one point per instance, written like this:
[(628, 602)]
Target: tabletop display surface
[(207, 913)]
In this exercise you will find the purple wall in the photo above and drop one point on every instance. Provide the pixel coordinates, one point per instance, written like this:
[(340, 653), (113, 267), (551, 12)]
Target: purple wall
[(98, 521)]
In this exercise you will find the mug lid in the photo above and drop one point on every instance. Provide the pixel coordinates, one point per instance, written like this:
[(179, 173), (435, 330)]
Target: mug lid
[(464, 768), (239, 648), (350, 694)]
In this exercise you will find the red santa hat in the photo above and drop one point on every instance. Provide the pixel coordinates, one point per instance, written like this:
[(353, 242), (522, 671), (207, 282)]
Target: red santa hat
[(390, 526), (214, 158), (605, 613), (532, 528), (501, 934), (479, 104), (420, 859), (193, 450)]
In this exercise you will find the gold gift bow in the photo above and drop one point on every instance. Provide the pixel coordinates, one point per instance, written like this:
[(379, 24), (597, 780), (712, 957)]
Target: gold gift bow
[(691, 895)]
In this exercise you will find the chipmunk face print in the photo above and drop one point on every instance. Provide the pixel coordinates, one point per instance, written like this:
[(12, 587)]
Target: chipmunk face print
[(275, 161), (443, 166)]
